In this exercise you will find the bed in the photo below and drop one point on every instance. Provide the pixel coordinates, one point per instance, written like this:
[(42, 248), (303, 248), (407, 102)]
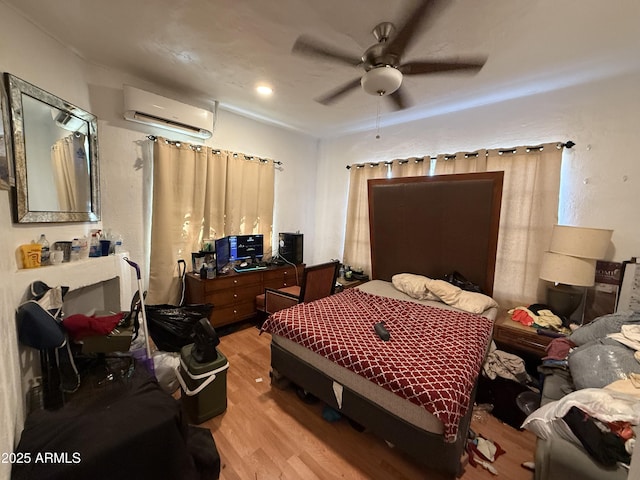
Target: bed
[(453, 219)]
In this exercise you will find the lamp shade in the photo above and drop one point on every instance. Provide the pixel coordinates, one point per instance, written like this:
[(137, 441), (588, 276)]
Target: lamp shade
[(569, 270), (381, 80), (580, 241)]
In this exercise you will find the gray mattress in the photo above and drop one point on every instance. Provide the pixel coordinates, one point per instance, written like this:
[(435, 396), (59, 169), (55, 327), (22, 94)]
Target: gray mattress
[(385, 399)]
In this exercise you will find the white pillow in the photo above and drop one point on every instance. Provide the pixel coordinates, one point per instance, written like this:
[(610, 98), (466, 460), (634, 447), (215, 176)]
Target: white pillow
[(474, 302), (444, 290), (544, 423), (413, 285), (471, 302)]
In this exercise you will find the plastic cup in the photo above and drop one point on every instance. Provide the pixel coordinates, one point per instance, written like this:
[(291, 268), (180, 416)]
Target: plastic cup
[(104, 246)]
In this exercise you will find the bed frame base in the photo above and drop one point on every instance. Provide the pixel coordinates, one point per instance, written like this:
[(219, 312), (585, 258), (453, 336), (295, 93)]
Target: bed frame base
[(427, 448)]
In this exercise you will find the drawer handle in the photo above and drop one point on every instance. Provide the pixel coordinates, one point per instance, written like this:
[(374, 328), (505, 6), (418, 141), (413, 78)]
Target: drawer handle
[(285, 284), (235, 295), (532, 344), (235, 281)]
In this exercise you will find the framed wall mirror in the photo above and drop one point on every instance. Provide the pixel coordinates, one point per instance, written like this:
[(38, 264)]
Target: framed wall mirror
[(55, 148), (7, 178)]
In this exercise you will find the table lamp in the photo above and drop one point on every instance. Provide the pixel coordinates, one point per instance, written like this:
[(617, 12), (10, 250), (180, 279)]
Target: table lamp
[(570, 263)]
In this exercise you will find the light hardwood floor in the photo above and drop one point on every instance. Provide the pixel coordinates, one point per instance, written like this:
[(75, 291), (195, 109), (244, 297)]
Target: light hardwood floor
[(267, 433)]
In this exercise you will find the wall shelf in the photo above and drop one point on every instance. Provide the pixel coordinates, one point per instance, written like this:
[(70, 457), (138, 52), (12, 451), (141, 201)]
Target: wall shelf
[(79, 274)]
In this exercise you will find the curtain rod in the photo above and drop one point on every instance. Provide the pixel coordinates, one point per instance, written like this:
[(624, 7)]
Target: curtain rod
[(217, 151), (501, 151)]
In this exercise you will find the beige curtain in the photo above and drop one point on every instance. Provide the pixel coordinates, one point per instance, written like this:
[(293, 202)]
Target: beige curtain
[(180, 175), (71, 173), (249, 197), (202, 193), (529, 210), (412, 167), (357, 252), (461, 163)]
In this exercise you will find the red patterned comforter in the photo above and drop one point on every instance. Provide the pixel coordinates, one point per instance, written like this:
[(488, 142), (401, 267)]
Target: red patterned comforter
[(432, 359)]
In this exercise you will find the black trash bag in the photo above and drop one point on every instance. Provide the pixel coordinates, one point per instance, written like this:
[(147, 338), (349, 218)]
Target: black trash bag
[(171, 326)]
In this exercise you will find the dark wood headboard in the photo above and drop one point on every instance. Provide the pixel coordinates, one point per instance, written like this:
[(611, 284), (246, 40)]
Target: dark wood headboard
[(436, 225)]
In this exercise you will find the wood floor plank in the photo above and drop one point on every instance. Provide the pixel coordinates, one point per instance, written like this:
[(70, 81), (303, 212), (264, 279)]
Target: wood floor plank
[(267, 433)]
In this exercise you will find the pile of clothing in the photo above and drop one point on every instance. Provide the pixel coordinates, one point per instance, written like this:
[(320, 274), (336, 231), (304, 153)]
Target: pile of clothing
[(539, 315), (483, 452)]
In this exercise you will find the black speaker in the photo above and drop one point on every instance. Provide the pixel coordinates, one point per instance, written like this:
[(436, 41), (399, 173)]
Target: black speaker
[(290, 247)]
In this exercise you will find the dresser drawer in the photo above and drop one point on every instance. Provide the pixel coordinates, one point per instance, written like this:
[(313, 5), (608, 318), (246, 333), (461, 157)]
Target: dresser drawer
[(223, 283), (282, 278), (232, 313), (521, 339)]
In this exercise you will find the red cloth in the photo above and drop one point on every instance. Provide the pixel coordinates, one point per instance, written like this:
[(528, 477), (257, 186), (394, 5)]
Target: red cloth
[(558, 349), (432, 359), (523, 316), (80, 326)]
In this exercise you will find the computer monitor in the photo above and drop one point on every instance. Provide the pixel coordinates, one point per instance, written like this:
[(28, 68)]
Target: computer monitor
[(222, 253), (245, 247)]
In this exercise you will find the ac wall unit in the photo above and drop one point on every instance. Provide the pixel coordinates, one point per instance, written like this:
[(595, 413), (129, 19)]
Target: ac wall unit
[(155, 110)]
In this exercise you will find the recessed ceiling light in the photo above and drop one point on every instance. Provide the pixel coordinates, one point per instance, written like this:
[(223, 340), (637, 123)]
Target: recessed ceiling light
[(264, 90)]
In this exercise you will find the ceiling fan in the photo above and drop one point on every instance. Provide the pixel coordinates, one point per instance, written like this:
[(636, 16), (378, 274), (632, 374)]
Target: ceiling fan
[(382, 62)]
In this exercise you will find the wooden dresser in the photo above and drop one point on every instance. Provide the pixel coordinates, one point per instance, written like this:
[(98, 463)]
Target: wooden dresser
[(233, 295)]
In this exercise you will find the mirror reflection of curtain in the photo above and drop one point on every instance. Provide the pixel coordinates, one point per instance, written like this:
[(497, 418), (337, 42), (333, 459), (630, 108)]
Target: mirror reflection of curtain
[(71, 173), (202, 193)]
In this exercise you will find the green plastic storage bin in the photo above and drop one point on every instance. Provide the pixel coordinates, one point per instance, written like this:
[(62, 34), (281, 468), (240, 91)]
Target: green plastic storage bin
[(203, 386)]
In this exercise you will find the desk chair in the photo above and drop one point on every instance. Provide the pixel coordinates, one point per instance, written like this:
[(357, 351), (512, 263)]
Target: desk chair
[(318, 281)]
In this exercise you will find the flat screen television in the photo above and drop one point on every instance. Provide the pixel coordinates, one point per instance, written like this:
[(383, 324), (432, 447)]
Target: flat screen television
[(246, 247), (222, 253)]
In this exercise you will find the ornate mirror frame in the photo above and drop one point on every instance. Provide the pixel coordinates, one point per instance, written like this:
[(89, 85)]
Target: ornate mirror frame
[(7, 177), (20, 91)]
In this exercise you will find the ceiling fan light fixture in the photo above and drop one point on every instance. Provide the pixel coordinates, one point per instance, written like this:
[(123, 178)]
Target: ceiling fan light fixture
[(383, 80)]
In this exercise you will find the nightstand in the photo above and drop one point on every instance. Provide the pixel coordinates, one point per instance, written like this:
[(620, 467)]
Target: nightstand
[(344, 283), (511, 335)]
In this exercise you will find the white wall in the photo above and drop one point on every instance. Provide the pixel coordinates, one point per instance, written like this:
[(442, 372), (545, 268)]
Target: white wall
[(600, 175)]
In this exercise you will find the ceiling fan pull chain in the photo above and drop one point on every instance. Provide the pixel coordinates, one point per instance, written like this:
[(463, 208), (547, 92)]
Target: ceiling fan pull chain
[(378, 119)]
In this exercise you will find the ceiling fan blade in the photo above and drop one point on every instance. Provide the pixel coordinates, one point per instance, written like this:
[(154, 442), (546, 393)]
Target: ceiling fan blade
[(335, 94), (425, 67), (306, 45), (399, 99), (406, 31)]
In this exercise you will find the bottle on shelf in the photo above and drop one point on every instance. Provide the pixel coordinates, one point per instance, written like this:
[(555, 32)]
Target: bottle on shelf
[(94, 246), (118, 248), (75, 250), (44, 251), (84, 247)]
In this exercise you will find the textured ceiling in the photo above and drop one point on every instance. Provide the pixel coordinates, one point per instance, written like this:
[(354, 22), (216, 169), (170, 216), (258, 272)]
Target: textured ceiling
[(221, 49)]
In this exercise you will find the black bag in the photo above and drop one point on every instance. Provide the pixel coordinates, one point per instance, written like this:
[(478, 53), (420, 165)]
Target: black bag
[(171, 326), (460, 281)]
